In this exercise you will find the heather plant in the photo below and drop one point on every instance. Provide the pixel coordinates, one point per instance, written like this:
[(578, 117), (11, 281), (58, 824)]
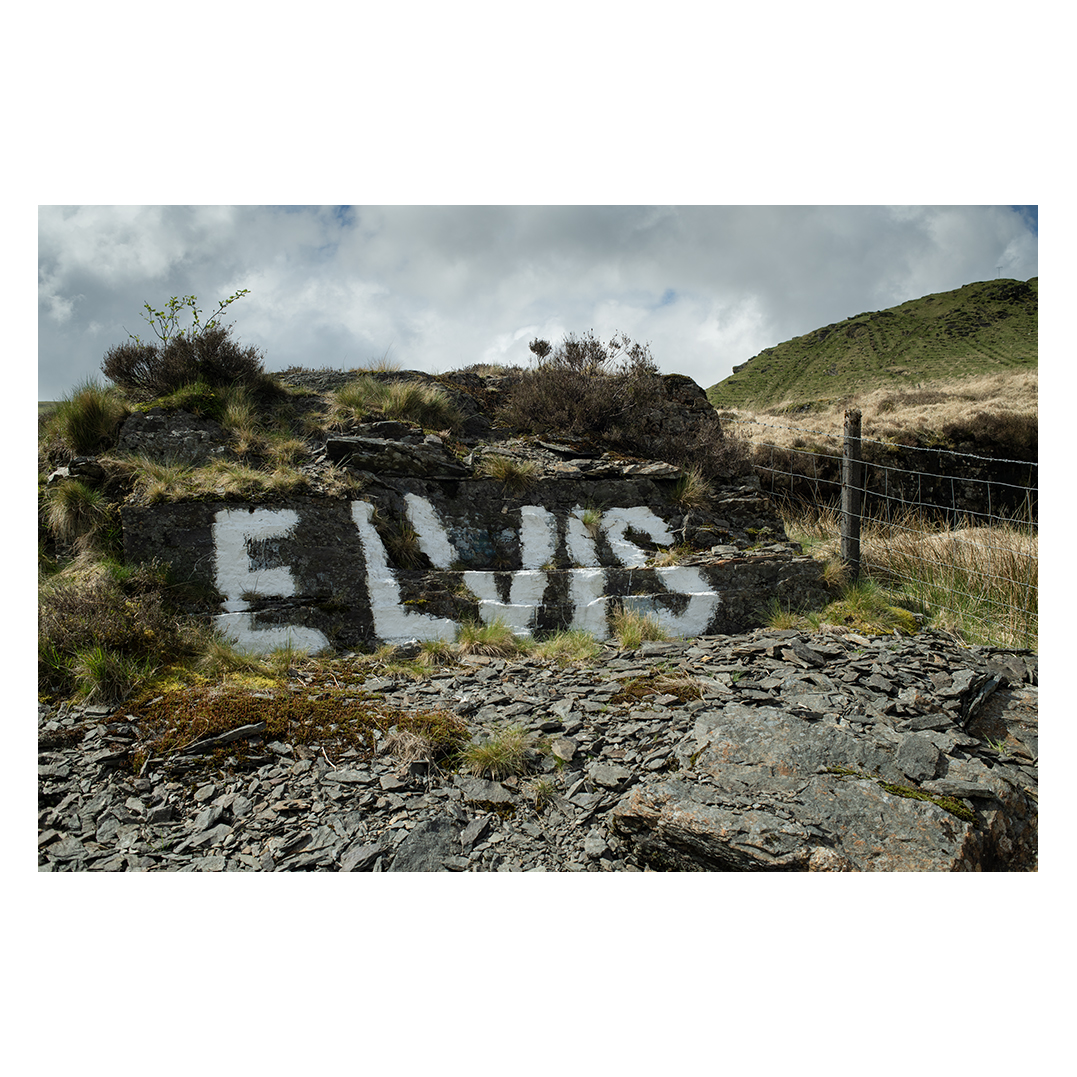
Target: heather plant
[(583, 387), (148, 371), (200, 352), (103, 627)]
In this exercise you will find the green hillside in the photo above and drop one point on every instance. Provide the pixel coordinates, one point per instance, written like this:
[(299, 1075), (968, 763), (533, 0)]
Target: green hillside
[(986, 327)]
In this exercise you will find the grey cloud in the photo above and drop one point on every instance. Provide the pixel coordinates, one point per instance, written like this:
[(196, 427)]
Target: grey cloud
[(445, 286)]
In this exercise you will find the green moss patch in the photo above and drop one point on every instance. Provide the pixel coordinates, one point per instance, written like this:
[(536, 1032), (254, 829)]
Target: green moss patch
[(948, 804)]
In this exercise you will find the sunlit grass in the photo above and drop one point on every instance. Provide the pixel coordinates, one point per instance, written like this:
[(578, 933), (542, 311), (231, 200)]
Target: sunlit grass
[(981, 583)]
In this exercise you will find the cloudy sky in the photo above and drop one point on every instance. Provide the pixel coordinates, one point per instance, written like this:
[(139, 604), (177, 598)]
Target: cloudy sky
[(438, 287)]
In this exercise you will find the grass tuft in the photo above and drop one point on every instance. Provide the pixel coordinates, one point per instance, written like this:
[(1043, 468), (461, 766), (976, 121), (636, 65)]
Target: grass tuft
[(86, 421), (632, 628), (369, 398), (495, 640), (570, 646), (513, 474), (502, 754), (693, 490)]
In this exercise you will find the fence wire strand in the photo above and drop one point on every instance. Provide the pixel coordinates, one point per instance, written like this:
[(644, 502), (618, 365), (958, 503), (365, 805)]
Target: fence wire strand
[(959, 548)]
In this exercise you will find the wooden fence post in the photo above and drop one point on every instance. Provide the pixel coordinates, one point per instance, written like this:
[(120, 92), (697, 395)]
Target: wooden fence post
[(851, 490)]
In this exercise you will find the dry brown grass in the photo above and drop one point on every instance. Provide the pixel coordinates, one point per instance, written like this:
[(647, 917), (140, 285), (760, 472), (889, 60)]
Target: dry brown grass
[(979, 582), (898, 416)]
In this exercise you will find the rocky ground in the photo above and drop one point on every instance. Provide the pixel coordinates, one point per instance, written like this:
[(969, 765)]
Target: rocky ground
[(774, 750)]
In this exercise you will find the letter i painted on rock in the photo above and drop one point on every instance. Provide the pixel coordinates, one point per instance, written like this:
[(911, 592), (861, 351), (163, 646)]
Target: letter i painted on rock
[(538, 541), (586, 586)]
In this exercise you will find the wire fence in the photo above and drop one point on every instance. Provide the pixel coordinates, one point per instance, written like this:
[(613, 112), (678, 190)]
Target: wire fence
[(954, 531)]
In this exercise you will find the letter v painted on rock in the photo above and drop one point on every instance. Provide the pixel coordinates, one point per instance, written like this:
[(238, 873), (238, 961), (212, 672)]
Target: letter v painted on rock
[(392, 622)]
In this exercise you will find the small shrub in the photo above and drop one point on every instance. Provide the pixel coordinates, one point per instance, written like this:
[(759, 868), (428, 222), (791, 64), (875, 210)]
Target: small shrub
[(584, 387), (715, 452), (147, 371), (93, 615)]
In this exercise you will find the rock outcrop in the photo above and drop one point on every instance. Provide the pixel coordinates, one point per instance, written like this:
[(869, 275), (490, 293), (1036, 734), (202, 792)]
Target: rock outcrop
[(540, 533)]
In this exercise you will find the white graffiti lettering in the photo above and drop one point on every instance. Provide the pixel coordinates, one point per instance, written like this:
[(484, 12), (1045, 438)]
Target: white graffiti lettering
[(240, 538), (247, 567)]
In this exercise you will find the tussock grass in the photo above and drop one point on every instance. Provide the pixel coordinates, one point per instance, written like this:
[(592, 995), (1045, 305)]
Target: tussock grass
[(369, 398), (84, 422), (693, 490), (591, 518), (495, 640), (514, 474), (981, 583), (502, 754), (107, 676), (571, 646), (632, 628), (154, 481), (81, 515)]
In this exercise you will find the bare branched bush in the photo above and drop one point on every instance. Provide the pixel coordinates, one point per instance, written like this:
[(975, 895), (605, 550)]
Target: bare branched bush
[(145, 371)]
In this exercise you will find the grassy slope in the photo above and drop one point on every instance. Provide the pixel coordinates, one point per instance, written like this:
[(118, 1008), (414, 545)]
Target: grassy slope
[(989, 327)]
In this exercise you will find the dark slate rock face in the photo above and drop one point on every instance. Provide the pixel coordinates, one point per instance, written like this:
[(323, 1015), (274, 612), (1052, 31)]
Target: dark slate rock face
[(787, 754), (420, 537)]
